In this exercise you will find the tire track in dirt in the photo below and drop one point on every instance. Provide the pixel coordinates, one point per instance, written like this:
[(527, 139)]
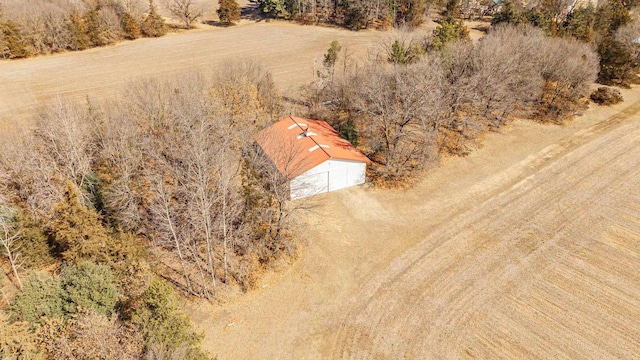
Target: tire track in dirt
[(435, 297)]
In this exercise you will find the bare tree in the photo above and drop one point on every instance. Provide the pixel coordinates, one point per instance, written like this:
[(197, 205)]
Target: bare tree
[(30, 179), (398, 109), (169, 158), (9, 237), (186, 11), (66, 137)]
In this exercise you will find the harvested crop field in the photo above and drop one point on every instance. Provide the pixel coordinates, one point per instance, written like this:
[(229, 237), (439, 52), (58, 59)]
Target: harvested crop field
[(288, 50), (528, 248)]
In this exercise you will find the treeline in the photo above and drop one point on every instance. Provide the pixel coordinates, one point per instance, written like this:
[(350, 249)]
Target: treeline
[(609, 28), (353, 14), (122, 199), (418, 101), (50, 26)]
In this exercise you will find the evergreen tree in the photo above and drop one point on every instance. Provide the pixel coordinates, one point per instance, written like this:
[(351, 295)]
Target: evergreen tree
[(39, 298), (410, 12), (13, 45), (229, 12), (453, 9), (331, 56), (94, 28), (580, 22), (88, 286), (153, 25), (17, 341), (508, 14), (77, 231), (451, 30), (403, 54), (162, 323), (610, 16), (540, 19), (130, 26), (355, 17), (616, 63), (274, 7), (78, 39)]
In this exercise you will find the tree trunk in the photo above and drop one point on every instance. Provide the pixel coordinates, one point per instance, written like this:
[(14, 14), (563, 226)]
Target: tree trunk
[(176, 241), (12, 255), (224, 236)]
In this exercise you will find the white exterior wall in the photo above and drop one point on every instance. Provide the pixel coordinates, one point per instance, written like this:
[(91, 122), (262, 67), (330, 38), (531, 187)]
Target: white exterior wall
[(331, 175)]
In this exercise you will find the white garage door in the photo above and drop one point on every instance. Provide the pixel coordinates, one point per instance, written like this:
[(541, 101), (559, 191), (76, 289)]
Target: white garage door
[(329, 176), (339, 179)]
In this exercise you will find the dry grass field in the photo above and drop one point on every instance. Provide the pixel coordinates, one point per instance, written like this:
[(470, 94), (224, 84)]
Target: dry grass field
[(287, 49), (528, 248)]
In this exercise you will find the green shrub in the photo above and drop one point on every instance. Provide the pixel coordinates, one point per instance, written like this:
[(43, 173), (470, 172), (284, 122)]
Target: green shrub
[(163, 324), (86, 286), (89, 286), (39, 298)]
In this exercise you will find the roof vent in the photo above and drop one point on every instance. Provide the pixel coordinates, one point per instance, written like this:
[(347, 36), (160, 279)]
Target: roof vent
[(293, 126), (318, 147)]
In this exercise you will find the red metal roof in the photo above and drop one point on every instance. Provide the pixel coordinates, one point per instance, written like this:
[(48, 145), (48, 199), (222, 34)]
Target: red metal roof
[(297, 145)]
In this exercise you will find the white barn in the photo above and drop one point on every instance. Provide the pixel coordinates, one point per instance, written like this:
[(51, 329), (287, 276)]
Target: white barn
[(312, 156)]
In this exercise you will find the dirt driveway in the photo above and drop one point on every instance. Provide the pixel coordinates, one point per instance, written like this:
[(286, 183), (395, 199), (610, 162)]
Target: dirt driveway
[(528, 248)]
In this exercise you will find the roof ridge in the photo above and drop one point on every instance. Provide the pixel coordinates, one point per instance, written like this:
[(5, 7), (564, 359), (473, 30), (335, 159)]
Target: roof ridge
[(310, 137)]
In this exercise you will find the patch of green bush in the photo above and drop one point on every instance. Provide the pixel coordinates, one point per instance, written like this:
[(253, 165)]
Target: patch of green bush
[(39, 298), (163, 324), (85, 286), (89, 286)]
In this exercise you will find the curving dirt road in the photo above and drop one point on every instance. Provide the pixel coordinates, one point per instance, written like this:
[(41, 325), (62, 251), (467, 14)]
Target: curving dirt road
[(528, 248)]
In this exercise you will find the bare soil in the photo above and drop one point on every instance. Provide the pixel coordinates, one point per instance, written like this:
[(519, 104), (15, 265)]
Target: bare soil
[(527, 248)]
